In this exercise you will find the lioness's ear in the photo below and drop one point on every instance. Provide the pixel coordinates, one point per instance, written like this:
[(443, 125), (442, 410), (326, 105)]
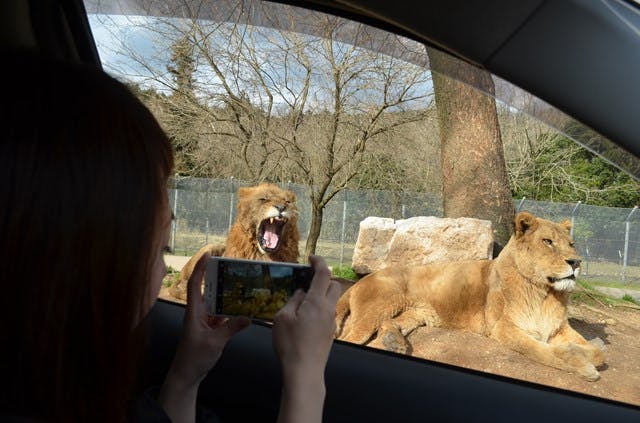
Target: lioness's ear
[(524, 222), (567, 225)]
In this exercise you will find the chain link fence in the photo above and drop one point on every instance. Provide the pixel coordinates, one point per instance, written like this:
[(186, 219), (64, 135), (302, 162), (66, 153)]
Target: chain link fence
[(608, 238)]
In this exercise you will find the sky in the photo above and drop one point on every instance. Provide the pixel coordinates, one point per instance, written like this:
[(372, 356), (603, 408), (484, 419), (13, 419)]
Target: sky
[(137, 49)]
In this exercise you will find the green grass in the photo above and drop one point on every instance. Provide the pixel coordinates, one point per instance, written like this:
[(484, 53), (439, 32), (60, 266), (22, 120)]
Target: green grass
[(613, 284), (345, 272), (171, 277), (585, 293)]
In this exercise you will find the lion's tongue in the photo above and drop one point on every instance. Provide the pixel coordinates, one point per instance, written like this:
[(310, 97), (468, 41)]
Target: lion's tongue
[(270, 236)]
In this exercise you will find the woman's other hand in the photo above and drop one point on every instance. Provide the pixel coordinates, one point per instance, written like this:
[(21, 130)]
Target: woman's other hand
[(302, 337), (203, 339)]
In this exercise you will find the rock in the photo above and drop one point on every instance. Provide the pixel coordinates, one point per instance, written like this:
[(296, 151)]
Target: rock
[(372, 245), (383, 242)]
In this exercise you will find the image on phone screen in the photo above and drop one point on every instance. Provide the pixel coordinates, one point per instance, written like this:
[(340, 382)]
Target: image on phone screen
[(255, 289)]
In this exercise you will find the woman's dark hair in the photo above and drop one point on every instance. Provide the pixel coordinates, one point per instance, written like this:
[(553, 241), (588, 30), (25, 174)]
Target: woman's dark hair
[(83, 180)]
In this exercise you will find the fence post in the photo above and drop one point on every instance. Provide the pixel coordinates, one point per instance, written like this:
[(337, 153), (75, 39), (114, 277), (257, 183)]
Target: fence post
[(231, 201), (344, 218), (626, 242), (520, 204), (206, 210), (573, 213), (586, 264), (174, 221)]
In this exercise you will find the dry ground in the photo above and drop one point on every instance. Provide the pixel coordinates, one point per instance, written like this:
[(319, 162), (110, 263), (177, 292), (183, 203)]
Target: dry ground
[(618, 327)]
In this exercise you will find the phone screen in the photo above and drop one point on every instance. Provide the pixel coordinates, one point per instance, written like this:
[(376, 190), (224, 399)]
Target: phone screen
[(255, 289)]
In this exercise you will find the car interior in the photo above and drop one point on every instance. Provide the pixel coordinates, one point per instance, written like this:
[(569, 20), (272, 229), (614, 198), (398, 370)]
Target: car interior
[(536, 45)]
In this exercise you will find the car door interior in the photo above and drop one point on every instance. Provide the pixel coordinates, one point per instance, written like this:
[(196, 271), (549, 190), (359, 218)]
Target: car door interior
[(363, 384), (367, 385)]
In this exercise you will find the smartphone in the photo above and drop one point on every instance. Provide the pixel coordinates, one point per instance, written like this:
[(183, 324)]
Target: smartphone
[(256, 289)]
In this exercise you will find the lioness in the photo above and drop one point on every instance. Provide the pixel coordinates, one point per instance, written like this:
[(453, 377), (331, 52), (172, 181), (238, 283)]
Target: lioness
[(520, 299), (265, 228)]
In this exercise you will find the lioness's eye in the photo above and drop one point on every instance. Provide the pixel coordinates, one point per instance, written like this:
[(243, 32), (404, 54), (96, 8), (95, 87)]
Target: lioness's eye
[(547, 241), (572, 244)]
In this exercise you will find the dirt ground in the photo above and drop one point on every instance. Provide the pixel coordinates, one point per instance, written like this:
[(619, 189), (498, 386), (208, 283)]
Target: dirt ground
[(618, 327)]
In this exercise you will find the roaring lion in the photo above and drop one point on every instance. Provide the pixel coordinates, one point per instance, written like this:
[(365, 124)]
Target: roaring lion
[(520, 299), (265, 228)]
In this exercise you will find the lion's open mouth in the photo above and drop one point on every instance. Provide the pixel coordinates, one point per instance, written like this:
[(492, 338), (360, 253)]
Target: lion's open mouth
[(269, 233)]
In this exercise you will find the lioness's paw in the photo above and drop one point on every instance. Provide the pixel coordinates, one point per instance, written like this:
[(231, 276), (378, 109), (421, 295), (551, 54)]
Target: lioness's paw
[(594, 352), (589, 372), (392, 343), (596, 357), (598, 343)]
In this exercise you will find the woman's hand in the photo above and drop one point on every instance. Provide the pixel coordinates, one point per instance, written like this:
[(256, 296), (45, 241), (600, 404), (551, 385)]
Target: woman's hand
[(203, 339), (302, 337)]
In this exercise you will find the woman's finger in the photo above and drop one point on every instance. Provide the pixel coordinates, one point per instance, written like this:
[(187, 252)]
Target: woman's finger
[(334, 292), (320, 281), (194, 286), (215, 321), (232, 326), (291, 307)]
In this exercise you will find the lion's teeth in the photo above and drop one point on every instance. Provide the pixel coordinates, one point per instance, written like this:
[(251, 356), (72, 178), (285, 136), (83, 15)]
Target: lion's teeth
[(271, 220)]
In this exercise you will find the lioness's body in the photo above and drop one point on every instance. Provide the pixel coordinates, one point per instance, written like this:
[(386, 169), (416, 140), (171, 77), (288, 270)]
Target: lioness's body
[(520, 299)]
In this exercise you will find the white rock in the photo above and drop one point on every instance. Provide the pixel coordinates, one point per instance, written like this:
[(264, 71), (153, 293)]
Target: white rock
[(383, 242)]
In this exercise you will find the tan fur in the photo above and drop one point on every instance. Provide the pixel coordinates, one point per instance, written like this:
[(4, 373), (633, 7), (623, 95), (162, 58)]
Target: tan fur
[(179, 288), (519, 299), (256, 206)]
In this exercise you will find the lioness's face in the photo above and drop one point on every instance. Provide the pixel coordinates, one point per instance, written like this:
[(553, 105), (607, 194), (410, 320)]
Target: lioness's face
[(270, 212), (548, 250)]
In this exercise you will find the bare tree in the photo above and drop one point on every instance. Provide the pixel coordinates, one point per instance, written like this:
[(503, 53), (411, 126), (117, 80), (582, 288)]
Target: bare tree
[(366, 96), (280, 104)]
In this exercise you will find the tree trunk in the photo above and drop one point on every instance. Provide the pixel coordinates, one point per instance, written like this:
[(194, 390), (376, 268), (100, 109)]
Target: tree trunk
[(474, 177), (314, 231)]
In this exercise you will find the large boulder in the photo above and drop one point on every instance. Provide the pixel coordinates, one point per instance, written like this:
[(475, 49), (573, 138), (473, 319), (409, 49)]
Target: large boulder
[(383, 242)]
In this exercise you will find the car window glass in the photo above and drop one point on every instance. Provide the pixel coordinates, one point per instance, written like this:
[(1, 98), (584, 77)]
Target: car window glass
[(365, 127)]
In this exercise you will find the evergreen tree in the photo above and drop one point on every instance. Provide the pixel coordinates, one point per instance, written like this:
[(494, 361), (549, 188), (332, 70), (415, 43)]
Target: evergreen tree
[(182, 105)]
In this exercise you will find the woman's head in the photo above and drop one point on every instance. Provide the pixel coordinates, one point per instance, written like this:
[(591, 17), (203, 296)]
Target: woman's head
[(84, 184)]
